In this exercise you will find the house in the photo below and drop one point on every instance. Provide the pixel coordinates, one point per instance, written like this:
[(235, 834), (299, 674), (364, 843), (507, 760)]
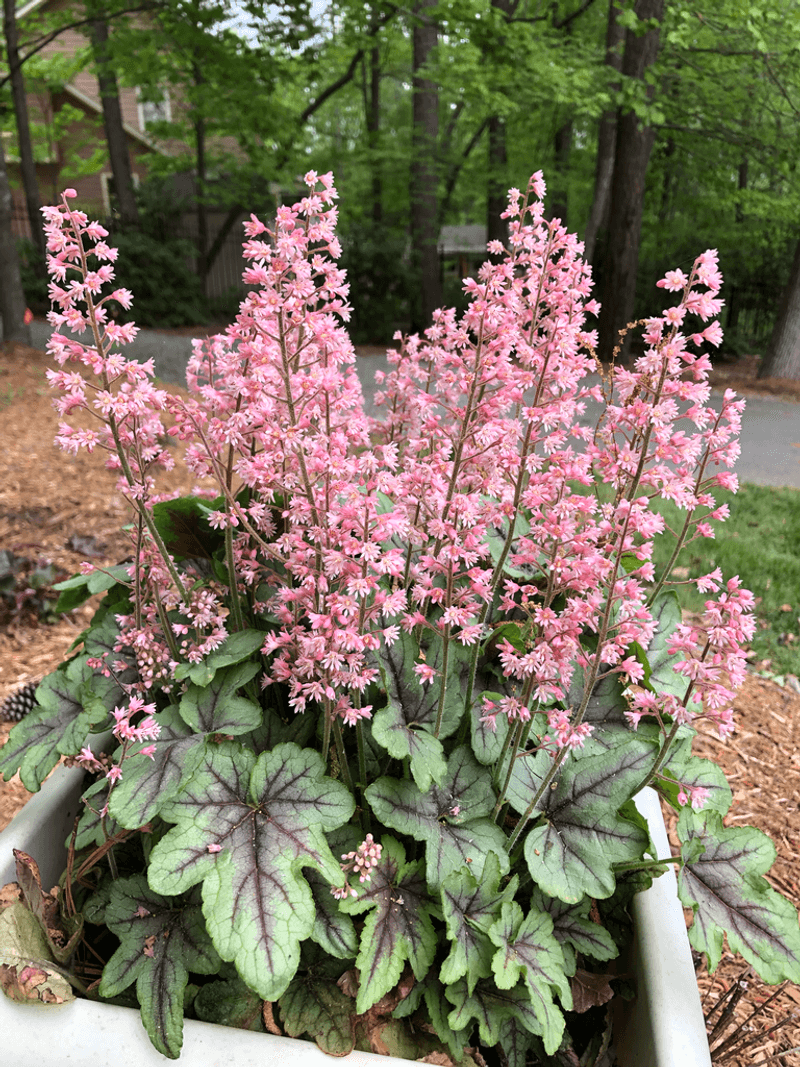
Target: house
[(70, 147), (67, 127)]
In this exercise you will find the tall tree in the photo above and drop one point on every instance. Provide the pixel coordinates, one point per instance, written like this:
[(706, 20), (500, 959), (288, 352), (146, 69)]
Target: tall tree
[(606, 137), (424, 171), (116, 138), (12, 298), (26, 161), (634, 143), (783, 354)]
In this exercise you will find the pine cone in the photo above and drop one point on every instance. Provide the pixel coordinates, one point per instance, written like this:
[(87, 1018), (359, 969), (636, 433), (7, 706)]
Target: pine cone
[(17, 704)]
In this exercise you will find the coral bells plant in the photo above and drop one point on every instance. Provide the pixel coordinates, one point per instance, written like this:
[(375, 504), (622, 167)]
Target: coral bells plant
[(364, 716)]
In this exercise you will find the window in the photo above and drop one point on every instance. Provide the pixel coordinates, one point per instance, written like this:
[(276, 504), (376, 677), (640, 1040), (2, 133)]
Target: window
[(154, 110)]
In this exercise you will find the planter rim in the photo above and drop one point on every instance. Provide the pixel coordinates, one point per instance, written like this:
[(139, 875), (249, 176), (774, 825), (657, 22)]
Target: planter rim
[(662, 1027)]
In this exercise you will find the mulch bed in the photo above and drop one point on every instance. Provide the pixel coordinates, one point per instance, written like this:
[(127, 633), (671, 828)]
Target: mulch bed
[(57, 508)]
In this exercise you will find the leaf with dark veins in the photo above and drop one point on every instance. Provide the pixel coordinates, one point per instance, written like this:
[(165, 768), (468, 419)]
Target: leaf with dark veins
[(449, 818), (150, 782), (161, 941), (527, 949), (67, 710), (245, 827), (471, 901), (574, 930), (581, 834), (405, 726), (490, 1007), (333, 931), (722, 882), (215, 708), (399, 929), (315, 1005)]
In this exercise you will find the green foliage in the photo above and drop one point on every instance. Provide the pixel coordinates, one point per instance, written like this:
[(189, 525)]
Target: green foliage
[(759, 543)]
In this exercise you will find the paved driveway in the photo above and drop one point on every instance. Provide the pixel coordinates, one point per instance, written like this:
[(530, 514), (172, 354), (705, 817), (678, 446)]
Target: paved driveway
[(770, 428)]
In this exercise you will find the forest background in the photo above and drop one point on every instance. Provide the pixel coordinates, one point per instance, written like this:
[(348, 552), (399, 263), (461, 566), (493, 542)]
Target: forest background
[(663, 127)]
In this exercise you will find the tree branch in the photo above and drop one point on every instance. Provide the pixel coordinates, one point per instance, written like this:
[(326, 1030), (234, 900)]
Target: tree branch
[(47, 38)]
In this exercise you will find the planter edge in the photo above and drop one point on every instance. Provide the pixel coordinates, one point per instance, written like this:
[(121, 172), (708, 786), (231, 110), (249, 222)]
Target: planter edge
[(662, 1027)]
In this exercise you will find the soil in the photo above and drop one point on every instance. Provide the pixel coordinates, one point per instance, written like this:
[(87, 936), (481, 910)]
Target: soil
[(55, 508)]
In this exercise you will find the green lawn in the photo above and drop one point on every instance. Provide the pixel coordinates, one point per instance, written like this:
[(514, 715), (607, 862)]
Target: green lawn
[(761, 543)]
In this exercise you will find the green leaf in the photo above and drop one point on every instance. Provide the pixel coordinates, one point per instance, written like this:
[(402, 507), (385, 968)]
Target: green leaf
[(215, 708), (333, 930), (185, 530), (234, 649), (487, 744), (315, 1005), (516, 1042), (688, 770), (490, 1007), (405, 726), (660, 673), (229, 1003), (471, 901), (268, 815), (581, 834), (451, 840), (161, 941), (398, 929), (527, 949), (722, 882), (150, 782), (68, 708), (574, 930), (100, 580), (495, 539)]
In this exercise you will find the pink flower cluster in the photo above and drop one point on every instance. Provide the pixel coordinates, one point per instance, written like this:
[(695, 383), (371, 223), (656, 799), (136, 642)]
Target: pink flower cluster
[(483, 489), (361, 862)]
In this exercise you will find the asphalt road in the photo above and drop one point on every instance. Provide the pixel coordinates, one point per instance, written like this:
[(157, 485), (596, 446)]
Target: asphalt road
[(770, 436)]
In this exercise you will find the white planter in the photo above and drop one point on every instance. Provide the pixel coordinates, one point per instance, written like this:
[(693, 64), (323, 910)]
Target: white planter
[(663, 1027)]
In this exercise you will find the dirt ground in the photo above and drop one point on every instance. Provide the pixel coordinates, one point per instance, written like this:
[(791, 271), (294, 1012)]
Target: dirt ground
[(59, 509)]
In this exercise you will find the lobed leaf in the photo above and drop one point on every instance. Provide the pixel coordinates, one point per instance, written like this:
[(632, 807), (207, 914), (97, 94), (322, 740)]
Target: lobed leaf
[(268, 816), (150, 782), (67, 710), (722, 882), (399, 929), (315, 1005), (161, 940), (451, 840), (405, 726), (527, 949), (490, 1007), (574, 930), (581, 834), (215, 708), (471, 901)]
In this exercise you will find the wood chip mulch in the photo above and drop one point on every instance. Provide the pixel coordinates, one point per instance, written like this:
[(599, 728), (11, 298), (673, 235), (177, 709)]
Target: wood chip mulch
[(51, 503)]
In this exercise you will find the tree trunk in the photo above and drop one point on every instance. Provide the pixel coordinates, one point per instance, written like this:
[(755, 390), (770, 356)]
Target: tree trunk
[(606, 141), (783, 355), (497, 175), (200, 191), (373, 133), (26, 162), (562, 145), (424, 177), (12, 298), (634, 145), (497, 186), (116, 138)]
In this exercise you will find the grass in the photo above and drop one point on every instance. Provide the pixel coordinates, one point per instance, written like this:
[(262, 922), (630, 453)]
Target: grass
[(760, 542)]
